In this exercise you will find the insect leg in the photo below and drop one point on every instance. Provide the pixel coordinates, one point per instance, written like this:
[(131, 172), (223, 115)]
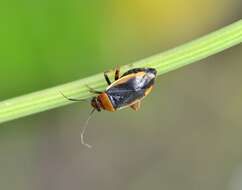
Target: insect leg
[(136, 106), (72, 99), (93, 90), (107, 78), (117, 73)]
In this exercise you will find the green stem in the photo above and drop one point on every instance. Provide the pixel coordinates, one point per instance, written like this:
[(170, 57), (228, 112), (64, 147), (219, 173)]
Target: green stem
[(170, 60)]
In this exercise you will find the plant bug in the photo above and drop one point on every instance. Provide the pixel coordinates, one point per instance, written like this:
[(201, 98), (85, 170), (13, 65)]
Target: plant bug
[(126, 91)]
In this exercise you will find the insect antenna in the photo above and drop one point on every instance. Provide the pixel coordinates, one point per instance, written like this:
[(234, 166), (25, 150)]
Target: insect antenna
[(72, 99), (83, 130)]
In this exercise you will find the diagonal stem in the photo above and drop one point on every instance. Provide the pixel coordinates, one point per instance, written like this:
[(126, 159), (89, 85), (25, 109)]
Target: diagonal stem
[(164, 62)]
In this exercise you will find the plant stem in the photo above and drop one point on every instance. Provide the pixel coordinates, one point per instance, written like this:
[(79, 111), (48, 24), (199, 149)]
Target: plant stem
[(170, 60)]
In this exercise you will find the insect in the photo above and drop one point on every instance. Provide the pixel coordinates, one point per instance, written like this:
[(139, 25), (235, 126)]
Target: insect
[(126, 91)]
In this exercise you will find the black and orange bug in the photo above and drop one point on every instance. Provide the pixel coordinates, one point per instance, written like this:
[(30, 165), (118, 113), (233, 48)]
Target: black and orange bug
[(126, 91)]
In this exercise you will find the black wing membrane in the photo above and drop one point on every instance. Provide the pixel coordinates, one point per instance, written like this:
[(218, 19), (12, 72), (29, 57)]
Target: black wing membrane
[(124, 94)]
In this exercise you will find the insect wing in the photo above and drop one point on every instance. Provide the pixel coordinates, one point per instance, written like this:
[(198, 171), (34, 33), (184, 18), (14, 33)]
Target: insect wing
[(131, 90)]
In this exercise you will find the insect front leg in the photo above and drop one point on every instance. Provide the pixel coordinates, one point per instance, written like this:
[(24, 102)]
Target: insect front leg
[(116, 75), (91, 90), (106, 77)]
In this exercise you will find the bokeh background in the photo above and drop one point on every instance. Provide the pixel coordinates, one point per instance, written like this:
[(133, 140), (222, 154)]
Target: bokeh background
[(188, 134)]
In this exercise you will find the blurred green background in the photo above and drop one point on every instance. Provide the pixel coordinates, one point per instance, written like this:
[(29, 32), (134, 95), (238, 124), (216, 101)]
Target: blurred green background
[(188, 134)]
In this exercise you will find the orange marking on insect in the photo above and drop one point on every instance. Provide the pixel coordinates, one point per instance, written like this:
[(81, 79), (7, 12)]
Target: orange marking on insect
[(105, 102), (125, 79), (148, 90)]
